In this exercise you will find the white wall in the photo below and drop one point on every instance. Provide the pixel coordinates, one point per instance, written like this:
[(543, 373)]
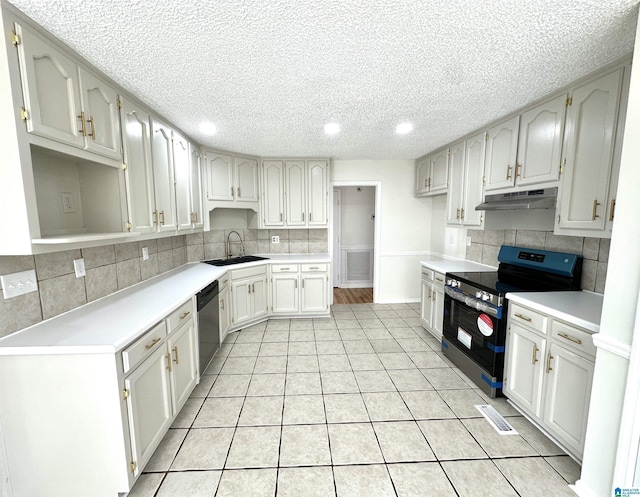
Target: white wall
[(405, 224), (444, 239), (357, 209)]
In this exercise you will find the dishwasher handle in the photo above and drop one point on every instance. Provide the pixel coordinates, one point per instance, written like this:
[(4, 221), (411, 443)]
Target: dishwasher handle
[(207, 294)]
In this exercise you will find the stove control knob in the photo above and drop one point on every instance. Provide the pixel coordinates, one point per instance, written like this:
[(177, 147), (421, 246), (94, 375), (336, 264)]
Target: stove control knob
[(486, 296), (478, 295)]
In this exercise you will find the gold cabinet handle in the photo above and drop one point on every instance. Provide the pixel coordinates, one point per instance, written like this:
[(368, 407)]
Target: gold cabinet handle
[(295, 284), (315, 268), (425, 182), (440, 280), (518, 168), (509, 168), (155, 217), (429, 296), (93, 128), (281, 217), (185, 314), (433, 296), (534, 357), (428, 182), (549, 358), (523, 317), (570, 338), (239, 193), (457, 213), (612, 209), (168, 356), (285, 269), (162, 216), (232, 192), (462, 214), (153, 342), (83, 124), (222, 304), (225, 281), (175, 351), (595, 208)]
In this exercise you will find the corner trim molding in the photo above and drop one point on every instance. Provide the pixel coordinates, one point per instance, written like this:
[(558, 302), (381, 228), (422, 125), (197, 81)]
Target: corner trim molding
[(581, 489), (612, 345)]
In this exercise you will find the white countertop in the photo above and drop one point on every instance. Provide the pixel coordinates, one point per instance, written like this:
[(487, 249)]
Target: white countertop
[(582, 309), (109, 324), (442, 265)]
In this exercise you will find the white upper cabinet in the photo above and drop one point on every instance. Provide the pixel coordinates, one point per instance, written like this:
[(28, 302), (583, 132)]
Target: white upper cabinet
[(432, 174), (273, 198), (65, 102), (590, 158), (230, 179), (246, 179), (295, 193), (540, 142), (139, 171), (423, 167), (163, 175), (219, 176), (466, 167), (500, 159), (195, 185), (182, 171), (318, 193)]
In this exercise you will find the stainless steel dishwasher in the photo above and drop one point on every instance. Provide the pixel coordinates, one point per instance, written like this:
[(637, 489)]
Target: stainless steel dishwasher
[(208, 324)]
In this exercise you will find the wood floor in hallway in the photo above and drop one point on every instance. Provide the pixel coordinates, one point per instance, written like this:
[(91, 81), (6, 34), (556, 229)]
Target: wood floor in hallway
[(353, 295)]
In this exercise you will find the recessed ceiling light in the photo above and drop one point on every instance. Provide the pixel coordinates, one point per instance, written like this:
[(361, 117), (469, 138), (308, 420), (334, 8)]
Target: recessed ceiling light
[(331, 128), (208, 128), (404, 128)]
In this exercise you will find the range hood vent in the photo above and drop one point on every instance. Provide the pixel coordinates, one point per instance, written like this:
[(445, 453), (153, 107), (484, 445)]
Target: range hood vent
[(531, 199)]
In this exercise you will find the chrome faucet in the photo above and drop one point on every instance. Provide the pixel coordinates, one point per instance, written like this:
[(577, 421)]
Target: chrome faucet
[(229, 253)]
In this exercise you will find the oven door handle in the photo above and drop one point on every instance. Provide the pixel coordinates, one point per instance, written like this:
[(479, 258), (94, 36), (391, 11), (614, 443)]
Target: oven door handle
[(474, 303)]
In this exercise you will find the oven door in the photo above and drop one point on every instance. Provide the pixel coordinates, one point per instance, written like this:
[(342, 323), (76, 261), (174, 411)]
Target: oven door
[(476, 333)]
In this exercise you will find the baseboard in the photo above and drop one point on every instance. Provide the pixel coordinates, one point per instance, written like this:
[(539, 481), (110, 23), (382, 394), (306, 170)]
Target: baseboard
[(581, 489)]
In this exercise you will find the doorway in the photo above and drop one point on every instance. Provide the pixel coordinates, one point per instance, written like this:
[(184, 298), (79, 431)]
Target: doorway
[(354, 236)]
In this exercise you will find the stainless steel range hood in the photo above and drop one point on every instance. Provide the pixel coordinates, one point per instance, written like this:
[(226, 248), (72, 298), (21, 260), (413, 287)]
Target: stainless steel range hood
[(531, 199)]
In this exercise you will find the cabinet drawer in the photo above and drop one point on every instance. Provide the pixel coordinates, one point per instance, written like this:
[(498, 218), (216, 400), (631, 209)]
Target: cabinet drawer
[(143, 347), (427, 274), (528, 318), (223, 282), (180, 315), (438, 279), (284, 268), (248, 272), (313, 268), (573, 338)]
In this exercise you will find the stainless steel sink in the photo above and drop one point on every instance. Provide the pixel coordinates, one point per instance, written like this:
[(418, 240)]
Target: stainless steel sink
[(235, 260)]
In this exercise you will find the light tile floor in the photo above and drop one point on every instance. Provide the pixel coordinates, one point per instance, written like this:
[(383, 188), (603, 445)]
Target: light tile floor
[(359, 405)]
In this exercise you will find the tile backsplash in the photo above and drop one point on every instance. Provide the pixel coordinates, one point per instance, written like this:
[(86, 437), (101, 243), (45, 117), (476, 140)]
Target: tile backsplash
[(110, 268), (485, 246)]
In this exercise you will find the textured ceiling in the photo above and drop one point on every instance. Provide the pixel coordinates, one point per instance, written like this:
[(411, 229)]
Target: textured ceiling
[(269, 74)]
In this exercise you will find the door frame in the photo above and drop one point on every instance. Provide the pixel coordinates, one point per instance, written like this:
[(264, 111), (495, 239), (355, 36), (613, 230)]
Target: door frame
[(376, 231), (337, 227)]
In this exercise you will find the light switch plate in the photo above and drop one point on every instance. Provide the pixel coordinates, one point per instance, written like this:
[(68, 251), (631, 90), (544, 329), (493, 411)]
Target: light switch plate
[(78, 265), (145, 253), (468, 241), (15, 284)]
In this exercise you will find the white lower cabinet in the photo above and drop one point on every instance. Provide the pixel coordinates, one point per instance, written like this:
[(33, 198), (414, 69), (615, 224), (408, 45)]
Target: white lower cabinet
[(249, 295), (299, 289), (548, 374), (432, 302), (224, 304)]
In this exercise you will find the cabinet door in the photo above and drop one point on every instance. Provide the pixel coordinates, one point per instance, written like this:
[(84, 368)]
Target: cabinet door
[(589, 147), (422, 175), (148, 406), (273, 198), (426, 305), (184, 363), (523, 372), (195, 170), (456, 173), (259, 301), (136, 141), (439, 167), (50, 88), (162, 159), (540, 142), (241, 301), (284, 294), (318, 192), (314, 293), (100, 106), (437, 311), (181, 168), (225, 316), (567, 398), (500, 160), (473, 187), (219, 176), (246, 171), (295, 188)]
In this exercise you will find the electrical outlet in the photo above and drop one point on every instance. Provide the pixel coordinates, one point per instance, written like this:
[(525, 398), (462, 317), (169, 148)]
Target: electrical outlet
[(145, 253), (275, 239), (468, 241), (67, 203), (19, 283), (78, 265)]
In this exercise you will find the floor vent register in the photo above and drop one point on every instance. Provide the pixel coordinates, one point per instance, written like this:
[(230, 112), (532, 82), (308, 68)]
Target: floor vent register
[(496, 420)]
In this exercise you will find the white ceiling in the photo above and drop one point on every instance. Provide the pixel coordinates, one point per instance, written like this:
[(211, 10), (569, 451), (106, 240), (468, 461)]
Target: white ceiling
[(269, 74)]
